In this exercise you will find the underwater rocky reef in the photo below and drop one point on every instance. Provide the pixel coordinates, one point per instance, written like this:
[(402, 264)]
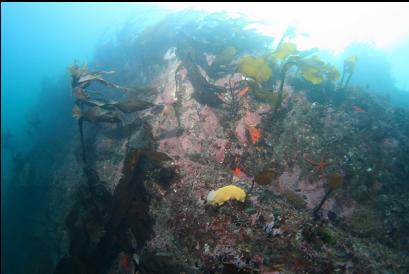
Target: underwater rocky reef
[(306, 172)]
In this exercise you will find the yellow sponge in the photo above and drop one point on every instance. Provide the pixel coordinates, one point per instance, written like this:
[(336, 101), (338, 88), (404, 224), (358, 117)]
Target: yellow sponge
[(226, 193)]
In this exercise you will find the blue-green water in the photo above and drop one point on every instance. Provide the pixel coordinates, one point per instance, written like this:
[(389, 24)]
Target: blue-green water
[(39, 41)]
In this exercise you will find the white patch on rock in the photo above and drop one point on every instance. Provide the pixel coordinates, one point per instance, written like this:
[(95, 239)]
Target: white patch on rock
[(170, 54)]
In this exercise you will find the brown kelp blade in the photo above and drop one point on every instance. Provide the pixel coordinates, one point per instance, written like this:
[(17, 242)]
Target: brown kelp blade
[(204, 92), (76, 112), (89, 77), (99, 115), (156, 156), (86, 78), (100, 103), (80, 94), (266, 177), (132, 105), (142, 91), (335, 181), (112, 85)]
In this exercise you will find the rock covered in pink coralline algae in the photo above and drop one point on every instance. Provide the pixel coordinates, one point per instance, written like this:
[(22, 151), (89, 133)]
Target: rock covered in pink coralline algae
[(189, 116), (252, 119), (311, 191), (201, 126), (241, 132), (165, 121), (167, 84), (200, 123), (263, 108), (180, 146), (229, 79), (209, 122), (218, 148)]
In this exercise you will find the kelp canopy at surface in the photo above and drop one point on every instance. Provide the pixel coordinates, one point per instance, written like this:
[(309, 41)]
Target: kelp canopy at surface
[(210, 33)]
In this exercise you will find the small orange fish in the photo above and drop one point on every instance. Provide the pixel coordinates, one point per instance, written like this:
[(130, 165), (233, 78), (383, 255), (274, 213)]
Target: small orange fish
[(237, 172), (244, 91), (255, 134), (358, 109)]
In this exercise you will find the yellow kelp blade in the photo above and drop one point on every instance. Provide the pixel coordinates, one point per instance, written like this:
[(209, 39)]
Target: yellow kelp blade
[(352, 59), (256, 68), (284, 50), (225, 57), (313, 76), (315, 71), (332, 73), (349, 63), (312, 62)]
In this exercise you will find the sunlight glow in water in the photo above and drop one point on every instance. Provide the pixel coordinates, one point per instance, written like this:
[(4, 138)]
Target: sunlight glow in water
[(330, 25)]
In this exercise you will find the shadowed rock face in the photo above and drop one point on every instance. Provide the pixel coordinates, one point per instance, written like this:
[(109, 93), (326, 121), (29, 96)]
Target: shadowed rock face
[(101, 225), (131, 201), (85, 223), (163, 264)]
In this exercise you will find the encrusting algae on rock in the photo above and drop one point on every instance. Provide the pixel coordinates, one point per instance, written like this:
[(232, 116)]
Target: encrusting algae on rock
[(226, 193), (236, 127)]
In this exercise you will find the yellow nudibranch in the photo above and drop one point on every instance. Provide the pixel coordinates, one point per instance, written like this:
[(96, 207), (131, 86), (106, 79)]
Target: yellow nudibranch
[(226, 193)]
